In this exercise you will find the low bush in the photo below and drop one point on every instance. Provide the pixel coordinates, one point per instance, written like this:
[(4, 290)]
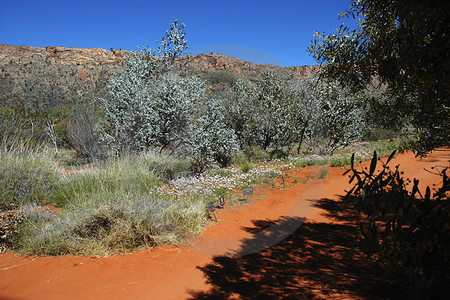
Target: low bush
[(25, 179), (323, 173), (167, 168), (376, 134), (339, 161), (117, 224), (256, 153)]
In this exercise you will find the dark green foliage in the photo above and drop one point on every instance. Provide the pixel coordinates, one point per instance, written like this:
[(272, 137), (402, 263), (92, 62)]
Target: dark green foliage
[(406, 231), (405, 44), (167, 168)]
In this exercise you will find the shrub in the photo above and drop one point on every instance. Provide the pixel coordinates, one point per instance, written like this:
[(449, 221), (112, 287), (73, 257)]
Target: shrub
[(25, 179), (405, 231), (83, 132), (256, 153), (212, 143), (376, 134), (339, 161), (167, 168), (112, 225), (323, 173)]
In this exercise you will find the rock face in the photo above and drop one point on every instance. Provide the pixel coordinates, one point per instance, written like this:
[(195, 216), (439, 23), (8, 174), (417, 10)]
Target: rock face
[(60, 55), (61, 73), (98, 56), (224, 62), (70, 56)]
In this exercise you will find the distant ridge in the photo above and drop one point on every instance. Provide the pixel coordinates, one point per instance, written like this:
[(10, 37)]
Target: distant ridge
[(59, 73)]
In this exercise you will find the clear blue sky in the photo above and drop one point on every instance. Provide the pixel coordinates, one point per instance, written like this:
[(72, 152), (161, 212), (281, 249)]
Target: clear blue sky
[(263, 31)]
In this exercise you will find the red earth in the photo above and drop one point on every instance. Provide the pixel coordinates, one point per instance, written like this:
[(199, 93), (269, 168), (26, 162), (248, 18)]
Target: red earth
[(296, 242)]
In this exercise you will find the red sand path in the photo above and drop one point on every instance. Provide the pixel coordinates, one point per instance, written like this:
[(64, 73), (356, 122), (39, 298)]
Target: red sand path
[(172, 272)]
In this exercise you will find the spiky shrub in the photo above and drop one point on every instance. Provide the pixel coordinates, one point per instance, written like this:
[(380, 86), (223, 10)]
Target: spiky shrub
[(25, 178), (118, 224), (404, 230), (111, 209)]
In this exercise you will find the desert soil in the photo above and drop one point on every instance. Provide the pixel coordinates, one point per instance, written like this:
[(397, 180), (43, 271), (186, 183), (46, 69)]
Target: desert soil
[(295, 242)]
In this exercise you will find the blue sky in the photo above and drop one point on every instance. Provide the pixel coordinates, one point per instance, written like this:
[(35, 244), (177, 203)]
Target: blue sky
[(276, 32)]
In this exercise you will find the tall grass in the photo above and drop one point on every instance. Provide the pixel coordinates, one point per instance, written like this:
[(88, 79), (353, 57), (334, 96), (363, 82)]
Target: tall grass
[(121, 205), (112, 178), (26, 178)]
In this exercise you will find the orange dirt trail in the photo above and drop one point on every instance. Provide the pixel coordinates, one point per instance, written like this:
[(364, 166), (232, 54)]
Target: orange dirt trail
[(245, 255)]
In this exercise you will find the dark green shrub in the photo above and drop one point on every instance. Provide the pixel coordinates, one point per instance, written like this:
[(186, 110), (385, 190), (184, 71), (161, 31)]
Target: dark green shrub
[(376, 134), (167, 168), (406, 231), (256, 153)]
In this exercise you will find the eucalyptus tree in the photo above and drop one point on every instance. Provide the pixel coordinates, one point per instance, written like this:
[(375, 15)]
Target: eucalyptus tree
[(152, 106), (260, 112), (326, 116), (173, 44), (406, 45)]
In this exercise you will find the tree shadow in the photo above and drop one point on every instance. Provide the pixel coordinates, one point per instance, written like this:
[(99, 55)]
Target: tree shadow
[(316, 261)]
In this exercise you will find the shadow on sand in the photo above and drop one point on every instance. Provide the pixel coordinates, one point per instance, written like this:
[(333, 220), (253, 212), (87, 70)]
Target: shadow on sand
[(316, 261)]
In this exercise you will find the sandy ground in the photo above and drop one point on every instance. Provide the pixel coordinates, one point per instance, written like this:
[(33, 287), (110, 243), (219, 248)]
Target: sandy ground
[(295, 243)]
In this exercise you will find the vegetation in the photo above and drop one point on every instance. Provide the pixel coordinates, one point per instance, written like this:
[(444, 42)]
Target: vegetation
[(150, 146), (406, 231), (25, 179), (398, 53), (104, 226), (403, 45), (110, 179)]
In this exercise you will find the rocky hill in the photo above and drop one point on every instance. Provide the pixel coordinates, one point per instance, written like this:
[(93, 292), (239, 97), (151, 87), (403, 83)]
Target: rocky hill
[(56, 74)]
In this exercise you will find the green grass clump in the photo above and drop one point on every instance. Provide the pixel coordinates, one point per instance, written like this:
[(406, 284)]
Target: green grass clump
[(103, 227), (167, 168), (246, 167), (111, 209), (25, 178), (113, 178), (339, 161), (323, 173), (313, 160), (256, 154)]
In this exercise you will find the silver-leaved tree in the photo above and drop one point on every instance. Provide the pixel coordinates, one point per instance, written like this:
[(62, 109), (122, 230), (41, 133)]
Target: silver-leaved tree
[(152, 106)]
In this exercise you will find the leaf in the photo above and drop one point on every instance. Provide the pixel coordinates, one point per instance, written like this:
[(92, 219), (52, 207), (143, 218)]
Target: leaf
[(415, 188), (427, 194), (353, 160), (352, 178), (373, 163), (391, 156)]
